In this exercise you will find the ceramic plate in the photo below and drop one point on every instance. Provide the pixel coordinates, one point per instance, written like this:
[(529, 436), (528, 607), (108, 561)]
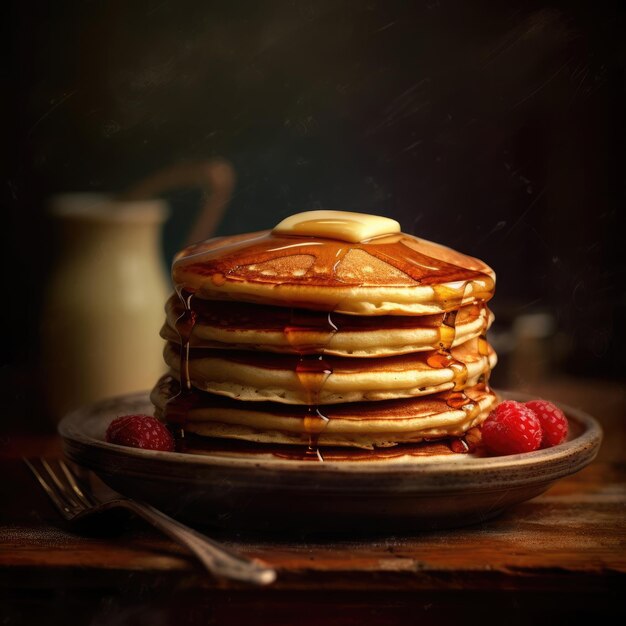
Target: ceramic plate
[(238, 491)]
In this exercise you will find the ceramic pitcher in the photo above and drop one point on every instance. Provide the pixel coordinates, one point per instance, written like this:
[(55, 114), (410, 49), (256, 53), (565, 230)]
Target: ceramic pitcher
[(103, 306)]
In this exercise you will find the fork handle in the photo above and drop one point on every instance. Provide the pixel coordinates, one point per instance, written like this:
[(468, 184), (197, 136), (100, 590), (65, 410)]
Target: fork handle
[(217, 559)]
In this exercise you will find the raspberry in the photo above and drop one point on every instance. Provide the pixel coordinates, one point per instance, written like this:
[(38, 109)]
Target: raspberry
[(511, 428), (140, 431), (553, 422)]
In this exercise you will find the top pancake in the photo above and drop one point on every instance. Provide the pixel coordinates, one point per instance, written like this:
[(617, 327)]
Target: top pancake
[(395, 274)]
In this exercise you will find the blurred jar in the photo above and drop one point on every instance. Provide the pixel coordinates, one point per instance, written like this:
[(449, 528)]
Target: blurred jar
[(103, 306)]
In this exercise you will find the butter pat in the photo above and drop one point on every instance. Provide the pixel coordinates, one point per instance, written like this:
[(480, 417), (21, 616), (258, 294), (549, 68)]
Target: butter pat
[(342, 225)]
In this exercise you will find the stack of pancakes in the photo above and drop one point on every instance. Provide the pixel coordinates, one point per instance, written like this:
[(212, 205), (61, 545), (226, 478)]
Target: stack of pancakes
[(334, 329)]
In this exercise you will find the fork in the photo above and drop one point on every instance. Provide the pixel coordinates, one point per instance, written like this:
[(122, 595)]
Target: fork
[(75, 501)]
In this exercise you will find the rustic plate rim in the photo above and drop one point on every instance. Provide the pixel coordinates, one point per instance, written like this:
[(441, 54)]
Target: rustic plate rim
[(582, 448)]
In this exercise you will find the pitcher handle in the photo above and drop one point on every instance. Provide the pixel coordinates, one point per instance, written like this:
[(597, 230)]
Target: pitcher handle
[(216, 178)]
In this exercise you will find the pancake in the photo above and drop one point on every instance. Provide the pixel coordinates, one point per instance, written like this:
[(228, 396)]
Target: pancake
[(359, 424), (245, 326), (396, 274), (250, 376)]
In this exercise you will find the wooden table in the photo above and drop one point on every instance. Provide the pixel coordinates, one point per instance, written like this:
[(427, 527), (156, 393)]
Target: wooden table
[(560, 556)]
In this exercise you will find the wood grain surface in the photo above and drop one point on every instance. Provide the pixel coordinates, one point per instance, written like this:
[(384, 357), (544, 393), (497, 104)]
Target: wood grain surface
[(556, 553)]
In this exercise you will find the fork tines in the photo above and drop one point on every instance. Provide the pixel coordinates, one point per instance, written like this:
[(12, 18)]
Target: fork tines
[(61, 485)]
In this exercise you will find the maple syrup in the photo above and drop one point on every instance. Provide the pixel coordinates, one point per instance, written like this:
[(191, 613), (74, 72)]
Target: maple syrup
[(235, 259), (447, 330), (451, 295), (443, 358), (312, 369), (483, 351), (177, 408)]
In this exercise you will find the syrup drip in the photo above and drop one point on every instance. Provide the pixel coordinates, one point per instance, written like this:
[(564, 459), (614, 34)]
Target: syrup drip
[(177, 408), (447, 330), (184, 325), (451, 296), (308, 332), (312, 370), (443, 357), (483, 350), (460, 400), (456, 398)]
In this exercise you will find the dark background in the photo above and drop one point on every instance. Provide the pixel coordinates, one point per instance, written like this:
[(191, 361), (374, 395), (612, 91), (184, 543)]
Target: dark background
[(493, 127)]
